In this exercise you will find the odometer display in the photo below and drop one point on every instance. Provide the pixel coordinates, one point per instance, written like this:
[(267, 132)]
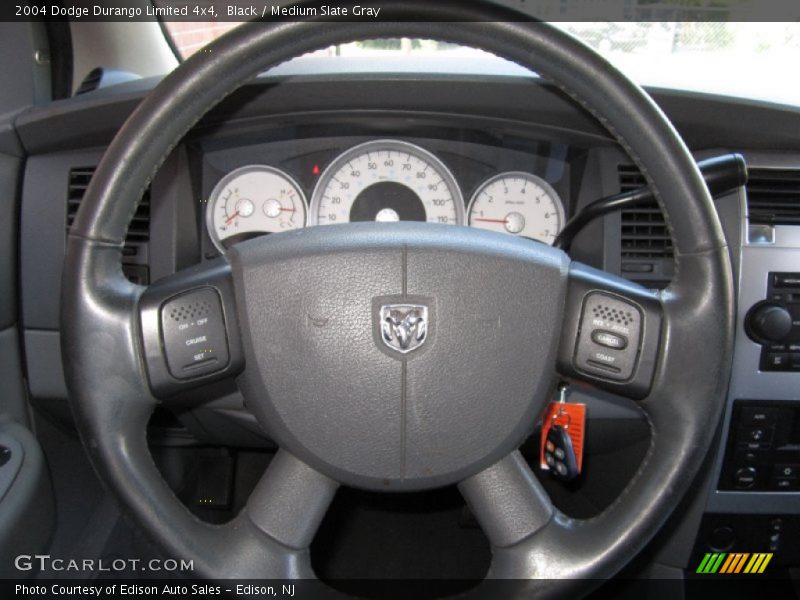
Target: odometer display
[(385, 181)]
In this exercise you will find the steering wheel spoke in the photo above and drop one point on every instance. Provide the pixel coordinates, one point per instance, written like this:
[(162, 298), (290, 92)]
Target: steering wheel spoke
[(190, 329), (612, 332), (508, 501), (290, 500)]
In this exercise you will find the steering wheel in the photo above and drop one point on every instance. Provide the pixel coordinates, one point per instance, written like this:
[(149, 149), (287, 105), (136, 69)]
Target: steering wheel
[(488, 320)]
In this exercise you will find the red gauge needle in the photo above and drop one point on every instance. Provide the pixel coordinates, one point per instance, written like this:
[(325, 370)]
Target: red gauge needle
[(232, 217), (503, 221), (288, 209)]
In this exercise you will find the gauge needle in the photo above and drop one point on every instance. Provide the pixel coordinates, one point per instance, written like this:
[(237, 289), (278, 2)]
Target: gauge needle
[(231, 218), (288, 209), (503, 221)]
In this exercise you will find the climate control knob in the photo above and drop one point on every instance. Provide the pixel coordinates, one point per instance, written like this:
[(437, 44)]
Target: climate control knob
[(768, 322)]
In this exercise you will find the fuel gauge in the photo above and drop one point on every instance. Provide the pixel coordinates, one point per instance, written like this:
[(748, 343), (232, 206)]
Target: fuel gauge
[(252, 201)]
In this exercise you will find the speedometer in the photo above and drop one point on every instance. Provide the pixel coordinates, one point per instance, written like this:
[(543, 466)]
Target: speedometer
[(386, 180)]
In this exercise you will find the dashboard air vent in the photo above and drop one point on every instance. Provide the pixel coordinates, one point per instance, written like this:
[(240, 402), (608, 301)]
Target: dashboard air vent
[(773, 196), (135, 250), (645, 243), (91, 82), (644, 233), (102, 77)]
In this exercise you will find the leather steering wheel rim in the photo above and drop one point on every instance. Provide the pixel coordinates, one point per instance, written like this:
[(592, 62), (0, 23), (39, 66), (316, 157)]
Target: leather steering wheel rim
[(106, 373)]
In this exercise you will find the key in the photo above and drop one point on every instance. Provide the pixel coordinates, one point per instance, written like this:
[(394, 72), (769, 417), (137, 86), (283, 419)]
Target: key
[(559, 454)]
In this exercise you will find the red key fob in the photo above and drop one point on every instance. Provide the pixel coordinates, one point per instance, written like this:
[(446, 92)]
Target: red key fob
[(565, 445)]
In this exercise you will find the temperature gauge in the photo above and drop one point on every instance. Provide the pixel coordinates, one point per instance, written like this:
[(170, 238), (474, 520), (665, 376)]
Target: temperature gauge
[(251, 201), (518, 203)]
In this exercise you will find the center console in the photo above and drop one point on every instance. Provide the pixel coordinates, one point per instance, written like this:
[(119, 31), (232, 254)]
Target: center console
[(754, 505)]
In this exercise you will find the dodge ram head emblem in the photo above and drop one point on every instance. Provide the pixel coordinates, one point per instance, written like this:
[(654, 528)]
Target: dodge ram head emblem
[(404, 327)]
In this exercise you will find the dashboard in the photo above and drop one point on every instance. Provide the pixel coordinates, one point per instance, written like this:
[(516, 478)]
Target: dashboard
[(503, 153), (269, 188)]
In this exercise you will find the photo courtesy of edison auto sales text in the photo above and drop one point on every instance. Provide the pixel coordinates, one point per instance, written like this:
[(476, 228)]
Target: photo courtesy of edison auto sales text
[(160, 590)]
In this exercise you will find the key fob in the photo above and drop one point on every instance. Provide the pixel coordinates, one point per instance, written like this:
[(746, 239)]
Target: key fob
[(559, 454)]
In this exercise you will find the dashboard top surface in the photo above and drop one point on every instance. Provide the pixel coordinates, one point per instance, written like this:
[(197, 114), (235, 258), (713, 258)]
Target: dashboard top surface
[(705, 121)]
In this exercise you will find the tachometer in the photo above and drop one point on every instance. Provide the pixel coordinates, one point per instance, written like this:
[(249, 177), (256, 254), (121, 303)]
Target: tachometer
[(386, 180), (518, 203), (251, 201)]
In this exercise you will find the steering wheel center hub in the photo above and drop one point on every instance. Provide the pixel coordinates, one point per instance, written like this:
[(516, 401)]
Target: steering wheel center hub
[(401, 356)]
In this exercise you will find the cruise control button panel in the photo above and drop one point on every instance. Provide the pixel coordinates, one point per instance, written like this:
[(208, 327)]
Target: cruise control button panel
[(608, 339), (190, 329), (193, 334), (611, 332)]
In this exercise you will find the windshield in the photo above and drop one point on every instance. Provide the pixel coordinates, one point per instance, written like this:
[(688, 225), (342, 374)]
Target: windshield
[(746, 59)]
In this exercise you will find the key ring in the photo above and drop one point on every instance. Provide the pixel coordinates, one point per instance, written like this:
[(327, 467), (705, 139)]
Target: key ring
[(560, 413), (563, 389)]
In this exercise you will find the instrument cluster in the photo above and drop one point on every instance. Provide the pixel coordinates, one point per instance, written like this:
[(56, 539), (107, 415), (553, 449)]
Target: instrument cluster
[(382, 180)]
